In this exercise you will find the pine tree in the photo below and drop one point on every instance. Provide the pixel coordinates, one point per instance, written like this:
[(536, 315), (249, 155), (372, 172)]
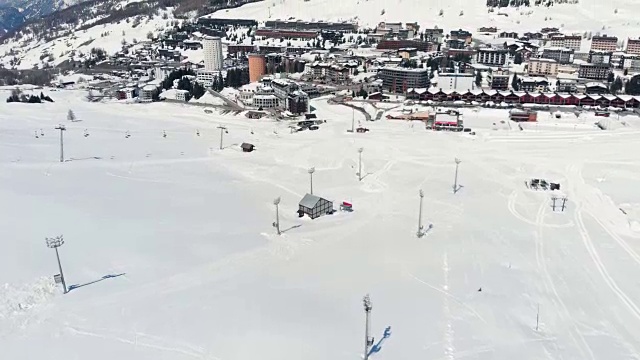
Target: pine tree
[(71, 116), (478, 79), (515, 84), (617, 85), (518, 58)]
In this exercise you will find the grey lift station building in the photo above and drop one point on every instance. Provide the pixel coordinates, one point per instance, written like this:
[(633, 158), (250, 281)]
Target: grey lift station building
[(314, 206)]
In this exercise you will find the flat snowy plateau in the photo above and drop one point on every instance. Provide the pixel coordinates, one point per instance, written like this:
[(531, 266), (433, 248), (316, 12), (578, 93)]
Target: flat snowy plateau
[(170, 244)]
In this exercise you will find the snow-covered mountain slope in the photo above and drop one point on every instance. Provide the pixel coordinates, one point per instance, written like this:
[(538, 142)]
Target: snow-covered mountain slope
[(96, 23), (14, 13), (30, 51), (205, 277), (586, 15)]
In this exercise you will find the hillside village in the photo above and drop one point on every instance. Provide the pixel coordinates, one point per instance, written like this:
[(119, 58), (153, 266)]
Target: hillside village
[(277, 65)]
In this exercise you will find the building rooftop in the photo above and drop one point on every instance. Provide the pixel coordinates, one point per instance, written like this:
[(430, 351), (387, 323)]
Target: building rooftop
[(455, 75), (605, 37), (596, 84), (595, 65), (309, 201), (493, 50), (543, 60), (557, 48), (403, 69), (265, 96)]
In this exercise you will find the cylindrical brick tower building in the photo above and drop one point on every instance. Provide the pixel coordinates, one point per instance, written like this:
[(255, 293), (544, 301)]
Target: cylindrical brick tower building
[(257, 67)]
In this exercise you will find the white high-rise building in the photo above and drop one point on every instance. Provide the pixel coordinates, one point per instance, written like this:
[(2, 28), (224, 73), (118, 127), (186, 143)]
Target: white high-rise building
[(212, 47)]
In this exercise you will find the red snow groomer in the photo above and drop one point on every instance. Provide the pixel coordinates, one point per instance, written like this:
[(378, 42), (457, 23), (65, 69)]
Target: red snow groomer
[(346, 206)]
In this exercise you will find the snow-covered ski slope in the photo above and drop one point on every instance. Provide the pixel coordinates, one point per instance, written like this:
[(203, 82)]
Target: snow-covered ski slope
[(587, 15), (205, 277)]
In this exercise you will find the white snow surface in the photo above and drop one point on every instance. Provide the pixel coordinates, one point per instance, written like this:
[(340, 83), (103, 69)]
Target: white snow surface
[(587, 15), (205, 276), (208, 98)]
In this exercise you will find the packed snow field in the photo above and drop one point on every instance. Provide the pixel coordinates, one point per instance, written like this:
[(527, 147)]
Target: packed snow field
[(615, 17), (172, 237)]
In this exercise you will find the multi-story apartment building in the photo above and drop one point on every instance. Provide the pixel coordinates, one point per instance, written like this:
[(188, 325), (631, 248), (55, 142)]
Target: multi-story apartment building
[(557, 41), (399, 44), (534, 84), (456, 44), (459, 82), (398, 79), (560, 55), (206, 78), (337, 73), (573, 42), (508, 35), (491, 56), (594, 71), (212, 48), (604, 43), (499, 82), (298, 102), (265, 100), (542, 67), (566, 86), (433, 35), (282, 87), (633, 46), (631, 63), (461, 35), (600, 57)]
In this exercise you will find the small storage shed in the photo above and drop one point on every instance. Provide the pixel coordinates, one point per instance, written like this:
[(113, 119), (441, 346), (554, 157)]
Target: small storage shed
[(246, 147), (314, 206)]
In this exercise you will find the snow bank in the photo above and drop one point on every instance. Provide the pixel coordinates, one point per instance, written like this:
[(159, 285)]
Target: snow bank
[(18, 299), (209, 99)]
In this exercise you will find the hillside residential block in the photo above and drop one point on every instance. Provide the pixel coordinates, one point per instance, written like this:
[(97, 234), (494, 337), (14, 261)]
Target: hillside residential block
[(565, 41), (398, 79), (561, 55), (604, 43), (594, 71), (542, 67), (491, 56), (633, 46), (600, 57), (459, 82)]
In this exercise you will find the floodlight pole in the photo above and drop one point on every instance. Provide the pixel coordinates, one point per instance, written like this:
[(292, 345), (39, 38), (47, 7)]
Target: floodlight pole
[(360, 150), (367, 310), (55, 243), (223, 129), (455, 181), (420, 214), (62, 128), (276, 202), (311, 171)]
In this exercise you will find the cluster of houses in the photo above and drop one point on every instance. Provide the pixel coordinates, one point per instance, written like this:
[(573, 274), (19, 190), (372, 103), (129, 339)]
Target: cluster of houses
[(518, 97), (548, 55)]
